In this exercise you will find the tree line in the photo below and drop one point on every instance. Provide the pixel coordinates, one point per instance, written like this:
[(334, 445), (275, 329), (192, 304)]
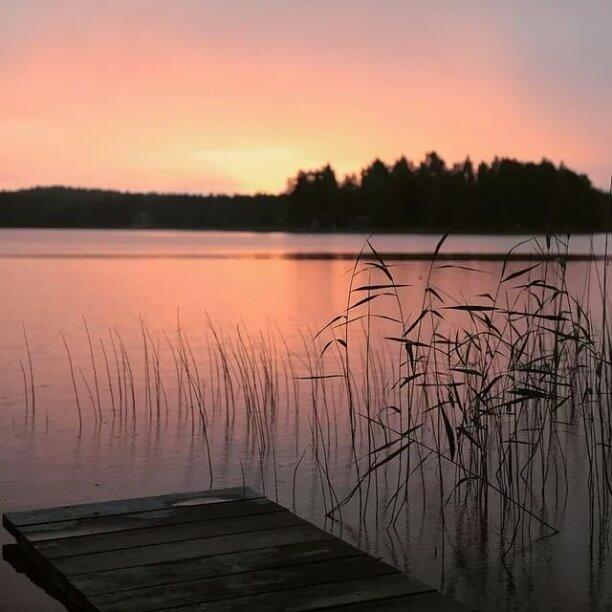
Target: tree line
[(504, 196)]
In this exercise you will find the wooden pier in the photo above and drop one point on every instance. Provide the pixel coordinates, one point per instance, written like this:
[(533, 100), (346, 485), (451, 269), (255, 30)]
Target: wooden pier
[(229, 549)]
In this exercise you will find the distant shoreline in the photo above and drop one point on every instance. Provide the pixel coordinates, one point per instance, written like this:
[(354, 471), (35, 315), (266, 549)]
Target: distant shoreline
[(505, 197), (299, 231), (322, 256)]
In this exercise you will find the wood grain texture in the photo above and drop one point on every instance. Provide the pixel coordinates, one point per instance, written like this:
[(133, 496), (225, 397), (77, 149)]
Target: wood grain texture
[(124, 506), (208, 567), (345, 593), (421, 602), (175, 551), (152, 518), (134, 538), (243, 584)]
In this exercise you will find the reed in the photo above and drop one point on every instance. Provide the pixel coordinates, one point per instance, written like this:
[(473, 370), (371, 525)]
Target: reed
[(485, 388), (32, 384)]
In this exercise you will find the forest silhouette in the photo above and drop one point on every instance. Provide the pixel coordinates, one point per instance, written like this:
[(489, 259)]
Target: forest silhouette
[(505, 196)]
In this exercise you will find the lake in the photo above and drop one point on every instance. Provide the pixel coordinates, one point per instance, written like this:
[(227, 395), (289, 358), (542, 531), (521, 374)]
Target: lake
[(129, 336)]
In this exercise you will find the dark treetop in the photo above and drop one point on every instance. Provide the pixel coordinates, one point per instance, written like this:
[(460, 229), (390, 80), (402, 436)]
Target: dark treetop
[(505, 196)]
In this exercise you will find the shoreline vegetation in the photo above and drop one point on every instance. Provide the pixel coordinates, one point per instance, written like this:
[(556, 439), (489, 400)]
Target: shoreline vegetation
[(504, 197)]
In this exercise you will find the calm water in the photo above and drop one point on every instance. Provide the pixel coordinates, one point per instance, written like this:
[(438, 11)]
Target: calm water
[(120, 280)]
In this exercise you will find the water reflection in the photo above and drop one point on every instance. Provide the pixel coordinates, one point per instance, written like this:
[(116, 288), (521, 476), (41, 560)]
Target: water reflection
[(176, 428)]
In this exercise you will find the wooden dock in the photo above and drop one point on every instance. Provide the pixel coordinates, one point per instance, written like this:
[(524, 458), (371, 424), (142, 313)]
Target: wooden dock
[(229, 549)]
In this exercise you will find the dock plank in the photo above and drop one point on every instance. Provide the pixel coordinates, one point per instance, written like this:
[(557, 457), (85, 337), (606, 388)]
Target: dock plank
[(230, 549), (39, 532), (334, 594), (217, 565), (134, 538), (124, 506), (175, 551), (239, 585), (420, 602)]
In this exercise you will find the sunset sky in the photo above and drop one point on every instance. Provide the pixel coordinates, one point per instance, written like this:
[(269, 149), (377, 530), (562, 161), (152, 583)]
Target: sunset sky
[(236, 95)]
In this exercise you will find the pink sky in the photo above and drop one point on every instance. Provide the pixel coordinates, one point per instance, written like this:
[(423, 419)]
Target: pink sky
[(237, 96)]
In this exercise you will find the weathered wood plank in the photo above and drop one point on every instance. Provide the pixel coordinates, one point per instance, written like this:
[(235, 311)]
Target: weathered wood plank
[(244, 584), (345, 593), (176, 551), (208, 567), (124, 506), (134, 538), (152, 518), (423, 602)]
